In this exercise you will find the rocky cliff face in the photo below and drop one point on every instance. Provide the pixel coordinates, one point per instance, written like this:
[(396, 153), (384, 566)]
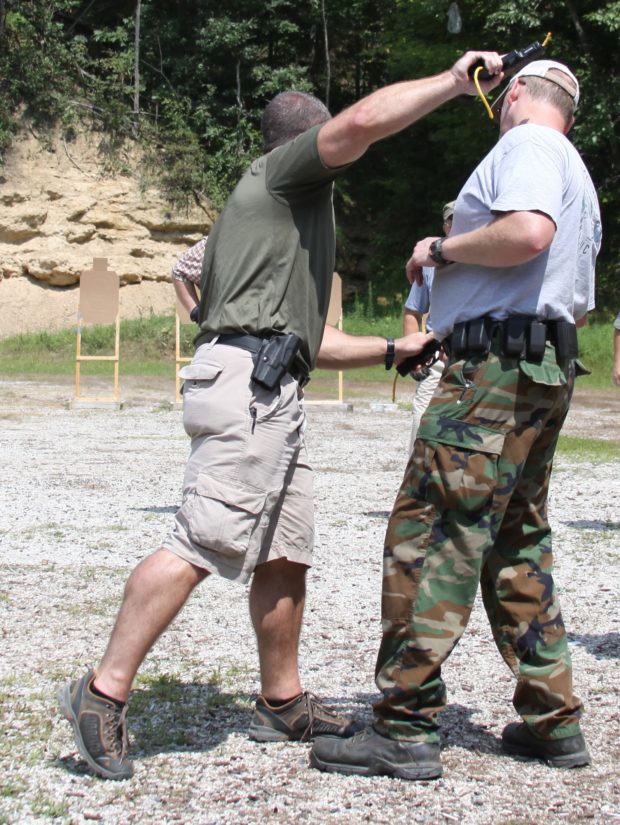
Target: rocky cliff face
[(58, 211)]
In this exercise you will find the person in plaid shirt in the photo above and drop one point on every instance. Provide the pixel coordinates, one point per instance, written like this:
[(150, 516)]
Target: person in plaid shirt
[(186, 275)]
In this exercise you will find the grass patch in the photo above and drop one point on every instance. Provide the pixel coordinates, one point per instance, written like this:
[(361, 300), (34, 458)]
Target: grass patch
[(147, 347), (596, 450), (11, 789), (44, 806)]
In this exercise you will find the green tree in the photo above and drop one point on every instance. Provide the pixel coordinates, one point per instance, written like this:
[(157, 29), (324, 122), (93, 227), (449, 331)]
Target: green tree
[(191, 81)]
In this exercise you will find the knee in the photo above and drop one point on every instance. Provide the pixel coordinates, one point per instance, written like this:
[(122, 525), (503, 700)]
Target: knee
[(167, 569), (281, 576)]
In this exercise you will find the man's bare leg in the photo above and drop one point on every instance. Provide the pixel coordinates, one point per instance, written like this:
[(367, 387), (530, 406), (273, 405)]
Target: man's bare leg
[(277, 599), (154, 594)]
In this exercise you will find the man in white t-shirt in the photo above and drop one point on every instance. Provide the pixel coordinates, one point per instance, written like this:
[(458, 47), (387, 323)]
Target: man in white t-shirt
[(513, 279)]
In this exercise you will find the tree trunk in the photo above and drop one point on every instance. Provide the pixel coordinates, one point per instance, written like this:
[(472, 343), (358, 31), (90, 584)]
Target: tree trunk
[(136, 67), (572, 11), (328, 68)]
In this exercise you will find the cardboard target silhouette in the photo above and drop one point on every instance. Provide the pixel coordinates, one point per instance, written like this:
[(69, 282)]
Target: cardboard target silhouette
[(99, 304)]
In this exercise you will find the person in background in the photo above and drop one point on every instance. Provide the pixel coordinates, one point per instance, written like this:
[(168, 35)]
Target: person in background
[(416, 306), (186, 277)]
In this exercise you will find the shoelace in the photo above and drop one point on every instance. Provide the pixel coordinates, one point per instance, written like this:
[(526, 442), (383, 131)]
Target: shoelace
[(115, 732), (311, 701)]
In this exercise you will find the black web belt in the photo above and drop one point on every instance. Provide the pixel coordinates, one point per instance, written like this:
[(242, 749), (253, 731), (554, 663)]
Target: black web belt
[(520, 336), (252, 343)]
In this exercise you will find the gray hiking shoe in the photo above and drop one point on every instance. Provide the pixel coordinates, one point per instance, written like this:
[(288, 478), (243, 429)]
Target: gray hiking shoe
[(301, 719), (99, 728), (370, 754), (569, 752)]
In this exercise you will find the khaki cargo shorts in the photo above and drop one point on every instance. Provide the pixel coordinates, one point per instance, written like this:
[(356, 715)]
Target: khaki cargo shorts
[(247, 490)]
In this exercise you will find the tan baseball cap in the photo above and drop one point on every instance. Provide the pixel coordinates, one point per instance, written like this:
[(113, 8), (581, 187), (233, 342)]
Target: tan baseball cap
[(448, 210), (542, 68)]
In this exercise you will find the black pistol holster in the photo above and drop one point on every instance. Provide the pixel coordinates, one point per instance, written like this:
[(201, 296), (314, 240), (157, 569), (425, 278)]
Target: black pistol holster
[(275, 358)]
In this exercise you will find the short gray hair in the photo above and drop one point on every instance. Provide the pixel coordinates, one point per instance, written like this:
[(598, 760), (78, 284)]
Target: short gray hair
[(290, 114), (555, 88)]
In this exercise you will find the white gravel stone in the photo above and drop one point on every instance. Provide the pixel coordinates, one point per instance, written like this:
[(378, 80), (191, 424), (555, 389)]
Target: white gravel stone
[(86, 494)]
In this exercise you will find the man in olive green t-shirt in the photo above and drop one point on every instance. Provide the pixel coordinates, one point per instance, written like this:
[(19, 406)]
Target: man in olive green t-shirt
[(247, 497)]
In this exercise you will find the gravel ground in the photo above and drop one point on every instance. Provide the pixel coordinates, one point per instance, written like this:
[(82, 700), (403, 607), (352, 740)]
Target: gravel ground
[(86, 494)]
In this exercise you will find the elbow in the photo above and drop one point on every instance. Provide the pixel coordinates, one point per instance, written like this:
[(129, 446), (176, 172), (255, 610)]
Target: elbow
[(538, 243), (538, 235), (363, 117)]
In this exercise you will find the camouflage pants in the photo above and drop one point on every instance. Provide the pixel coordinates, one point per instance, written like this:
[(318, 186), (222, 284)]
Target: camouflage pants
[(472, 508)]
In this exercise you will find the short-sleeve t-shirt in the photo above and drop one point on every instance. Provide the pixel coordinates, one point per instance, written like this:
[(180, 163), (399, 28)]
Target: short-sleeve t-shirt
[(419, 298), (531, 168), (269, 263)]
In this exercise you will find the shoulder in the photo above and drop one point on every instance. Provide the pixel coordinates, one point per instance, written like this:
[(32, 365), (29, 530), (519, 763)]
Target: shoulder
[(304, 146), (532, 137), (296, 170)]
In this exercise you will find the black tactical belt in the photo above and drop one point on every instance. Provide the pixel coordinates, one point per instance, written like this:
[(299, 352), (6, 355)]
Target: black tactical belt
[(520, 336), (253, 343)]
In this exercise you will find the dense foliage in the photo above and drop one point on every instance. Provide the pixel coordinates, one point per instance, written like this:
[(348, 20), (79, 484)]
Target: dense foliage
[(188, 79)]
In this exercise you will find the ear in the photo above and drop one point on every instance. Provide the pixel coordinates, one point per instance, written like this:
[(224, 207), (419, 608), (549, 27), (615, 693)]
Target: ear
[(569, 125), (515, 91)]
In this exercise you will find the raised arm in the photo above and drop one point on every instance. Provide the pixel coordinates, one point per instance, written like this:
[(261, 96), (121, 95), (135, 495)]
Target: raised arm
[(346, 137)]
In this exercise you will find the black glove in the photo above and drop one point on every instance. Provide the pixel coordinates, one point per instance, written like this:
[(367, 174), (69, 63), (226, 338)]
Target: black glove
[(193, 316)]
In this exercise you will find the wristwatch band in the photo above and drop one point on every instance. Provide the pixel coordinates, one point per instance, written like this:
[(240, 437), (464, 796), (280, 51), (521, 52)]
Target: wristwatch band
[(389, 353), (435, 252)]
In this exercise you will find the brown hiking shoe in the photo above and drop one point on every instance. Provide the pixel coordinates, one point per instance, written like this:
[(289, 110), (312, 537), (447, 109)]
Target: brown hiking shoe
[(301, 719), (99, 728)]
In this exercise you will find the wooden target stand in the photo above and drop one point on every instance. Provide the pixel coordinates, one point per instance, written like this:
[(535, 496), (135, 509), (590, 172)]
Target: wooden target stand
[(99, 304), (181, 316), (334, 319)]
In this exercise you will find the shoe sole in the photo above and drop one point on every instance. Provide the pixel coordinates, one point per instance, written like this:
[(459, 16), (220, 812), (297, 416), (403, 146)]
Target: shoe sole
[(64, 700), (569, 760), (380, 767), (265, 734)]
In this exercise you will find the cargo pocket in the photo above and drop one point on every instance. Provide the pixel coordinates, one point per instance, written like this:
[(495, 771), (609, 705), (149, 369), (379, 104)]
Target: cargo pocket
[(456, 464), (547, 371), (224, 517), (197, 377), (201, 371)]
